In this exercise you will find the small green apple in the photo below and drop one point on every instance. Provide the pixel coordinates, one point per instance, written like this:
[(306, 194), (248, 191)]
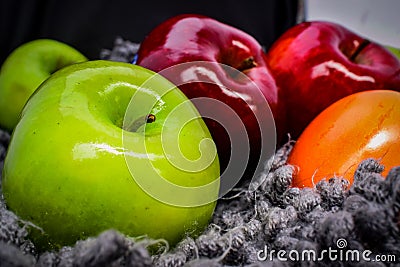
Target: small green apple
[(74, 157), (394, 50), (25, 69)]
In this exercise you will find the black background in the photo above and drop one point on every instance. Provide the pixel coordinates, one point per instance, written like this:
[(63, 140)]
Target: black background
[(90, 26)]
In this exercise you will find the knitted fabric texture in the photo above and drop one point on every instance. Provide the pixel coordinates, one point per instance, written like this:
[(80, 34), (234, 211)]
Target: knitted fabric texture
[(265, 214)]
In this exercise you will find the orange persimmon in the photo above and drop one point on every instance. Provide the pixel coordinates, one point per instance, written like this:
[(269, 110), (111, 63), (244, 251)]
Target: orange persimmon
[(360, 126)]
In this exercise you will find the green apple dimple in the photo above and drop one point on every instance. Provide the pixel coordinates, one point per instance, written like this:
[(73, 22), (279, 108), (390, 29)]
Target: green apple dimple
[(25, 69), (66, 168)]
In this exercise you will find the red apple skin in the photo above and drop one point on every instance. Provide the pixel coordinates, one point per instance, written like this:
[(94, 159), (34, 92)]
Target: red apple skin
[(317, 63), (189, 38)]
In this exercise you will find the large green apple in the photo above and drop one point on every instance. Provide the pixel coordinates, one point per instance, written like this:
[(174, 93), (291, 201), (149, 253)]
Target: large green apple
[(76, 163), (25, 69)]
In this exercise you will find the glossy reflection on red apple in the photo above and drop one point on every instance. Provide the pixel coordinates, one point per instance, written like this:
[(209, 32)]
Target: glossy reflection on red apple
[(194, 38), (317, 63)]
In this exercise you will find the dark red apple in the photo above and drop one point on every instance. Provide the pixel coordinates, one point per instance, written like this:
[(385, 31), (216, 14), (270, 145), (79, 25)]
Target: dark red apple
[(317, 63), (223, 64)]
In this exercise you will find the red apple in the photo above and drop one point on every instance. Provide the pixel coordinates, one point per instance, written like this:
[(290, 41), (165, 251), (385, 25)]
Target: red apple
[(317, 63), (216, 56)]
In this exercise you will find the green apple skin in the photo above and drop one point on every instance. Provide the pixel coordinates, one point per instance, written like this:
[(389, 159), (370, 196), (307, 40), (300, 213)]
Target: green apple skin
[(66, 172), (25, 69), (394, 50)]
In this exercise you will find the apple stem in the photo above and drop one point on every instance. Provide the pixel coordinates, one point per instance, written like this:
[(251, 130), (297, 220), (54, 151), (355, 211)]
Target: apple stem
[(358, 50), (150, 118), (246, 64)]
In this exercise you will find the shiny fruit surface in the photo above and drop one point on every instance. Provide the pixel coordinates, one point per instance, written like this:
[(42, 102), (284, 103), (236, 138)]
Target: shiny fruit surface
[(25, 69), (317, 63), (360, 126), (88, 138), (237, 77)]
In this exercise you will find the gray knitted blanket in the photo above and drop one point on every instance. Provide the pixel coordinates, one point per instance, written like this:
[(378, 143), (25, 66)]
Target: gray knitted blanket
[(263, 224)]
